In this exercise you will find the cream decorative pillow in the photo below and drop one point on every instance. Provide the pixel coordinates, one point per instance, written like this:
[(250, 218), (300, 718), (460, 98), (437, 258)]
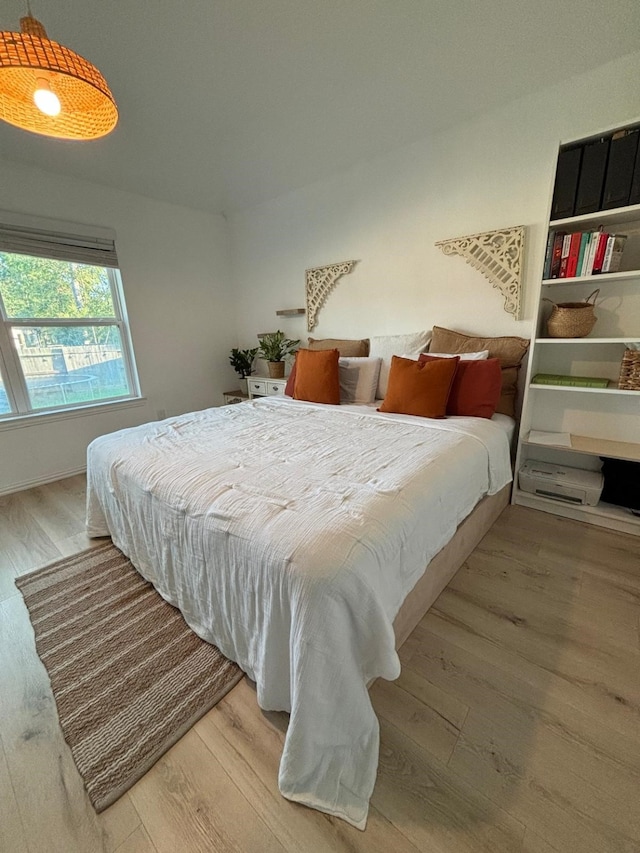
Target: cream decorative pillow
[(464, 356), (386, 346), (358, 379)]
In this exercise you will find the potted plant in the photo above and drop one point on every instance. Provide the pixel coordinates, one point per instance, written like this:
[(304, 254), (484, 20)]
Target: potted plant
[(242, 362), (274, 348)]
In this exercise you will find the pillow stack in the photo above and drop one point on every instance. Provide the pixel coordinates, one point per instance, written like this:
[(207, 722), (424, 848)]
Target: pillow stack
[(357, 378), (385, 347), (434, 387), (508, 350), (461, 375), (476, 387)]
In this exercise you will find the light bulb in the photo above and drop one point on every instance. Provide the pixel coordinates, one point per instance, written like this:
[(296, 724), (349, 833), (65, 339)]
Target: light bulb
[(46, 100)]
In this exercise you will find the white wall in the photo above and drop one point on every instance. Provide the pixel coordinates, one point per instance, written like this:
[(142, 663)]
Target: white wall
[(175, 269), (493, 172)]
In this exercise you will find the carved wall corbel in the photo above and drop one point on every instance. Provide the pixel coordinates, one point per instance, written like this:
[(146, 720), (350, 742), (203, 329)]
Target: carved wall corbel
[(498, 255), (320, 281)]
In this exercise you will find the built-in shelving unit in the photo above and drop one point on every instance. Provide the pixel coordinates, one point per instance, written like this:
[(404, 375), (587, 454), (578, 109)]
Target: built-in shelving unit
[(589, 423)]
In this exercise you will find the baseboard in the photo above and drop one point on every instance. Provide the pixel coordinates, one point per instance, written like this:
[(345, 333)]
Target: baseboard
[(41, 481)]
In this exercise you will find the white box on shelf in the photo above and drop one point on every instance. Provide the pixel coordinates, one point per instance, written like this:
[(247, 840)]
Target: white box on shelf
[(561, 482)]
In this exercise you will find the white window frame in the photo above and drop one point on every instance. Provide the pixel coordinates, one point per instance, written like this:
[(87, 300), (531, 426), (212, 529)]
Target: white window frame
[(60, 241)]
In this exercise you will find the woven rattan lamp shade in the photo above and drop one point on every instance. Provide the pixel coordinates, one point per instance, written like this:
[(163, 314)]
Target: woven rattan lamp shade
[(87, 107)]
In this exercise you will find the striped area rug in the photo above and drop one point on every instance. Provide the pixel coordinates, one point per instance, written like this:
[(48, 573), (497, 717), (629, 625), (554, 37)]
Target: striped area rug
[(128, 675)]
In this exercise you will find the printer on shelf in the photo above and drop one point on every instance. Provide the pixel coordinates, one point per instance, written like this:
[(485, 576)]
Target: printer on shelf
[(561, 482)]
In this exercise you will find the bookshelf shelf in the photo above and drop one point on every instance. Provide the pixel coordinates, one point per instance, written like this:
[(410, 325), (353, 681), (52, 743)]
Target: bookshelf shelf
[(592, 446), (617, 216), (613, 414), (583, 389), (632, 339), (605, 515), (625, 275)]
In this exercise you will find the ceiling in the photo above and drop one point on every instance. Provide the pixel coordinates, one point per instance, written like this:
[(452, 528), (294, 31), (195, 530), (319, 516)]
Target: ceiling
[(226, 103)]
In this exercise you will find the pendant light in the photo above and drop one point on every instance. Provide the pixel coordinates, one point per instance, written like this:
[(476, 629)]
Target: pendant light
[(48, 89)]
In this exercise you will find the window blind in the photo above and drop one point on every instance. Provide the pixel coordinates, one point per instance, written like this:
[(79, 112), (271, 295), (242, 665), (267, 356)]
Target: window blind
[(92, 249)]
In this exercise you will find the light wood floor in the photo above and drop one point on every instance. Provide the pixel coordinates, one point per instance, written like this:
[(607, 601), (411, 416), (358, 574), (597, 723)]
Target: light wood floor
[(514, 727)]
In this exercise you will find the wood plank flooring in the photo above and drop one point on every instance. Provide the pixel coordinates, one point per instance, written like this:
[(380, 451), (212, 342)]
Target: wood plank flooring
[(514, 727)]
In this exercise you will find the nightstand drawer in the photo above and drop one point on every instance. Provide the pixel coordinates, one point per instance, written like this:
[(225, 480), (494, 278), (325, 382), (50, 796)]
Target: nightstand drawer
[(275, 387), (258, 386)]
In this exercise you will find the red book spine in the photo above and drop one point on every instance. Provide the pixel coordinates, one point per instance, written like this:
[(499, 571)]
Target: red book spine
[(557, 254), (574, 251), (600, 251), (564, 256)]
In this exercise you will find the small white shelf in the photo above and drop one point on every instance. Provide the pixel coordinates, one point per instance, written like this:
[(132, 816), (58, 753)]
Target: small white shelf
[(588, 340), (608, 217), (627, 275), (604, 515), (592, 446), (583, 390)]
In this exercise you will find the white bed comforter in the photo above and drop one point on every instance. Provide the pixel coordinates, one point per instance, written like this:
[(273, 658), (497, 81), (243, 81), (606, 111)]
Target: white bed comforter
[(289, 534)]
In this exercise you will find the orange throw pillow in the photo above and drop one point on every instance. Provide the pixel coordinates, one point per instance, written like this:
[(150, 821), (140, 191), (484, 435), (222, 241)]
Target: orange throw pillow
[(476, 388), (317, 379), (418, 388)]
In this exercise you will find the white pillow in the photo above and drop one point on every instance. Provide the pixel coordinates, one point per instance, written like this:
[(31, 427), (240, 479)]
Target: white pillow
[(385, 346), (463, 356), (358, 379)]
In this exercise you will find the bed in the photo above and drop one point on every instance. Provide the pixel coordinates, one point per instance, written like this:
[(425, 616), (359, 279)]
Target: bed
[(295, 537)]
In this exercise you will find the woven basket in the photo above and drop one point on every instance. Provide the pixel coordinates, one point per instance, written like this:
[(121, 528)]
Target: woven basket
[(276, 369), (572, 319), (630, 371)]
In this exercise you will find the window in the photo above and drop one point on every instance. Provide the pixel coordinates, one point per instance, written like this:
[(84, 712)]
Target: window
[(64, 340)]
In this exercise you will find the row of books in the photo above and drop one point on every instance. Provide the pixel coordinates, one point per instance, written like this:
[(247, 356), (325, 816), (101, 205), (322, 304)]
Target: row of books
[(581, 253), (574, 381)]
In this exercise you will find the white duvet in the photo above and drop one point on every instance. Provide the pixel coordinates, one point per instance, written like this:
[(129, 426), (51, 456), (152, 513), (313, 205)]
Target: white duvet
[(289, 534)]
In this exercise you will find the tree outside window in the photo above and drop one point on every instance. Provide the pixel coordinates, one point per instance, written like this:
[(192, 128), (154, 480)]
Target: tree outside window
[(64, 340)]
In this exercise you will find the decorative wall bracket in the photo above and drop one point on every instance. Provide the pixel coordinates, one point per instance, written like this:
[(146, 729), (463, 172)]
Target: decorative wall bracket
[(498, 255), (320, 281)]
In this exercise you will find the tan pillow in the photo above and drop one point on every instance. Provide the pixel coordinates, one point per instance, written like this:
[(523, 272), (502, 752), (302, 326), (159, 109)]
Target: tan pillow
[(346, 348), (510, 350)]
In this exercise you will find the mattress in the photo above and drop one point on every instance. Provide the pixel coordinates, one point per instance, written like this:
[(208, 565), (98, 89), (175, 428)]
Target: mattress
[(289, 534)]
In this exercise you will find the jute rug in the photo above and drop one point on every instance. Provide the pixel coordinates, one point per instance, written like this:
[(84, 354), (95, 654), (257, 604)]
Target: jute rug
[(128, 675)]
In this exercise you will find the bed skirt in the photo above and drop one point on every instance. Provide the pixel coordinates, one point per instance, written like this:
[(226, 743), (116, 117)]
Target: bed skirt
[(447, 562)]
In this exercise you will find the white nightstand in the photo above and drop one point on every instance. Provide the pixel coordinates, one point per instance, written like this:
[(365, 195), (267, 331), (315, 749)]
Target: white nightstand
[(262, 386)]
